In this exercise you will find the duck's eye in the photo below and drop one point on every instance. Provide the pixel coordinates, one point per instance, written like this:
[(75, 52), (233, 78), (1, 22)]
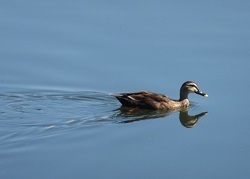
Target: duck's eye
[(192, 86)]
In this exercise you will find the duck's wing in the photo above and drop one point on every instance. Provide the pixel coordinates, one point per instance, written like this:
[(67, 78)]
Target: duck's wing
[(143, 99)]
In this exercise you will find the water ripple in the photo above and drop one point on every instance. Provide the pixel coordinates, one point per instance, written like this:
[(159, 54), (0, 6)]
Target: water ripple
[(37, 113), (30, 113)]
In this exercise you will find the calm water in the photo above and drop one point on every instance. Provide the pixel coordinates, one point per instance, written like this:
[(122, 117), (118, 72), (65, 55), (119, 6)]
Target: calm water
[(59, 60)]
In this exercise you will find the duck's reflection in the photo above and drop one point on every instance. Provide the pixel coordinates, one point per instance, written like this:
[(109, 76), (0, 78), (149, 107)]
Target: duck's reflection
[(190, 121), (135, 114)]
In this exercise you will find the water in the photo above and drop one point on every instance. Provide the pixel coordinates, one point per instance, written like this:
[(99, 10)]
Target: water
[(60, 60)]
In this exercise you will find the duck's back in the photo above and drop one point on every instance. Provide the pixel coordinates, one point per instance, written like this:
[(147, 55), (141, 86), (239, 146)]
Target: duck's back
[(144, 99)]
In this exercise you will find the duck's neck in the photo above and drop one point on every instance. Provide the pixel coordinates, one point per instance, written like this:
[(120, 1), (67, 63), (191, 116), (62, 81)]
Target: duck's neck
[(183, 95), (184, 99)]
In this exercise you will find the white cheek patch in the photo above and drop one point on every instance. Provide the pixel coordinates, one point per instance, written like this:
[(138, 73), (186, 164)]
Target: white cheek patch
[(194, 89)]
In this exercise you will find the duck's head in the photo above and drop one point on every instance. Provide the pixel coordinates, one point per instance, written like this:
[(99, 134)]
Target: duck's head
[(190, 87)]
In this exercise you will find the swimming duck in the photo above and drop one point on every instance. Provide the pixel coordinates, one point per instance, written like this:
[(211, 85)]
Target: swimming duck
[(150, 100)]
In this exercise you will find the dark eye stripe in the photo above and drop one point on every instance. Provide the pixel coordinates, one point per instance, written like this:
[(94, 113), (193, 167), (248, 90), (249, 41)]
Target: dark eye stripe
[(193, 85)]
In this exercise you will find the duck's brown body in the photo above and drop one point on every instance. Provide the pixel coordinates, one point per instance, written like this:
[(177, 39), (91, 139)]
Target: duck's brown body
[(150, 100)]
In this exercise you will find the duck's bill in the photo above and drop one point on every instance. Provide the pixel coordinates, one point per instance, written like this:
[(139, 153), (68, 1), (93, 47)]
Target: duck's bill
[(202, 94)]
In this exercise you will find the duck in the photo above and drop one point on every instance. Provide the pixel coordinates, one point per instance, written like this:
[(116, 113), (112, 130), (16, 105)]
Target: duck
[(149, 100)]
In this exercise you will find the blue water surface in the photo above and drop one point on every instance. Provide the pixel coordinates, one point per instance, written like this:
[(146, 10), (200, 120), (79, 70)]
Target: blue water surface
[(60, 60)]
